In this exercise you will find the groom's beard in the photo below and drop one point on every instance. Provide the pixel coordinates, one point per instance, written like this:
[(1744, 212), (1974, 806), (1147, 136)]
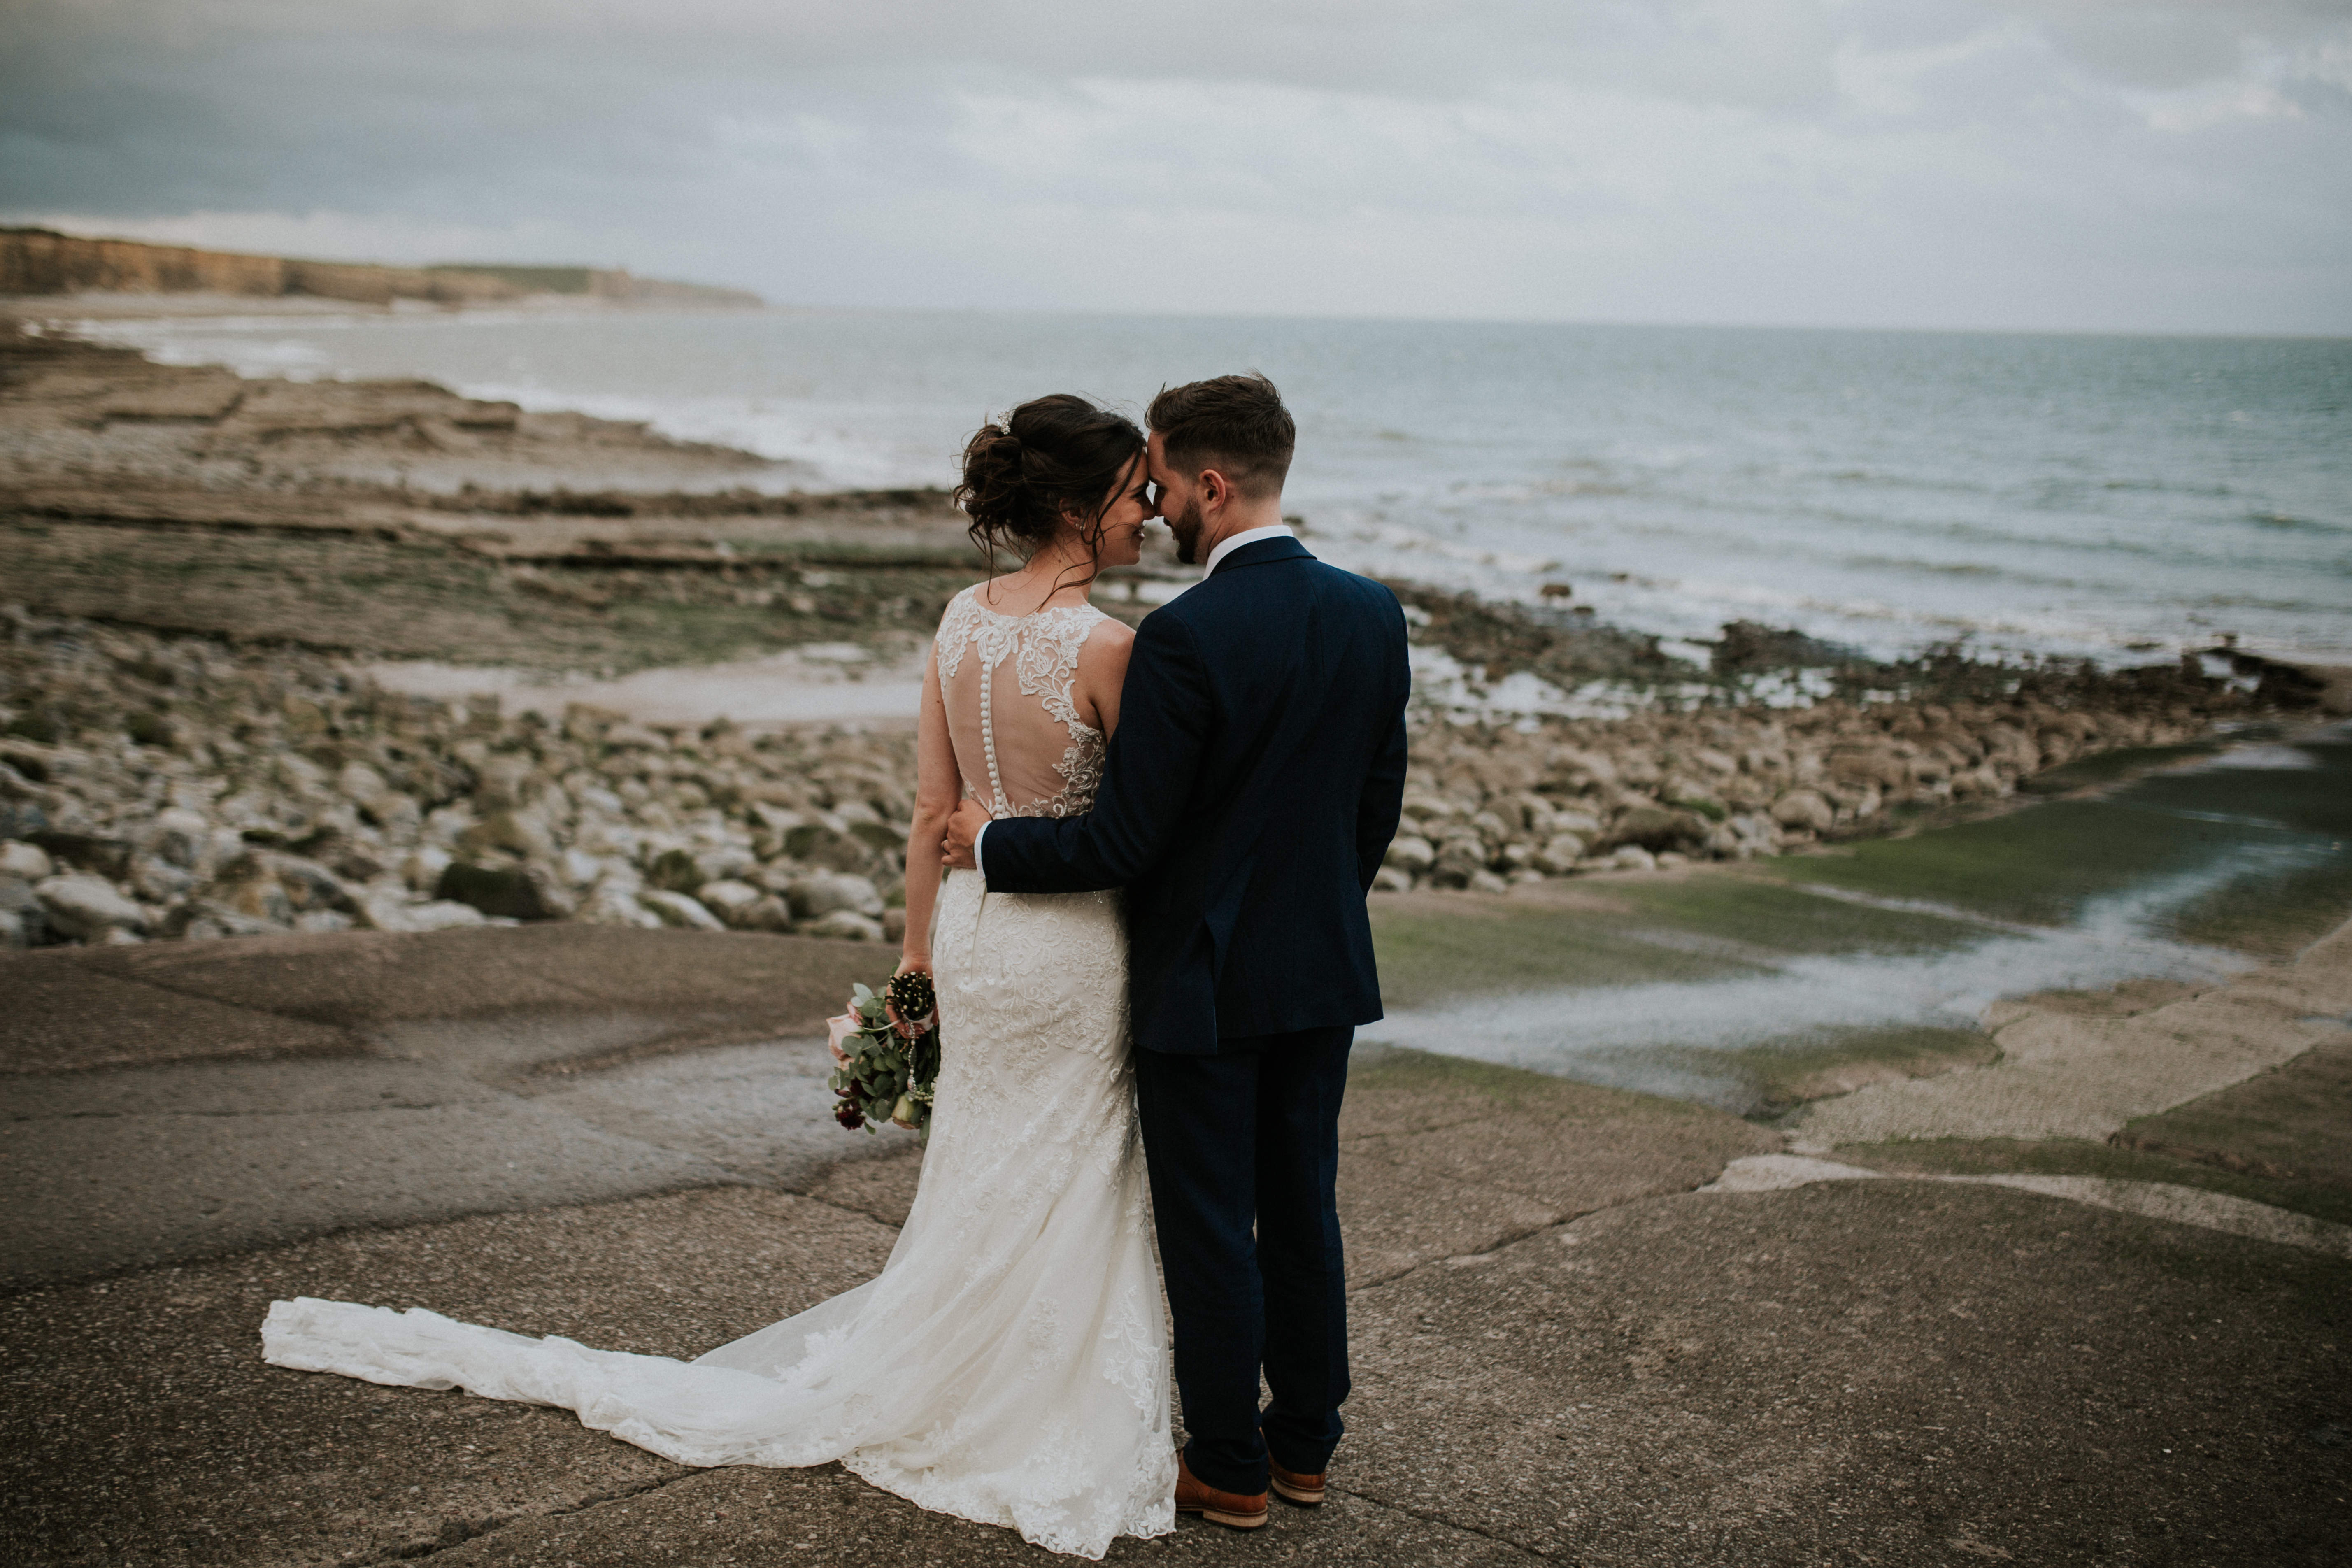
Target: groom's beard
[(1186, 527)]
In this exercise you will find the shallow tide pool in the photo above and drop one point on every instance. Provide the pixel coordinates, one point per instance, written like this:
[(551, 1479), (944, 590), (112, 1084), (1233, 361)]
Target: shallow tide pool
[(1752, 988)]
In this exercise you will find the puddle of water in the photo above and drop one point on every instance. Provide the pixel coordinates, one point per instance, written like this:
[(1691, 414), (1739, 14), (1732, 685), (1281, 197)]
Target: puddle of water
[(1725, 989)]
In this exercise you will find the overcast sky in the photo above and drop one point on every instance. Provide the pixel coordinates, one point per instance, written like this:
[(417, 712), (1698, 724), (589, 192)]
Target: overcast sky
[(2098, 164)]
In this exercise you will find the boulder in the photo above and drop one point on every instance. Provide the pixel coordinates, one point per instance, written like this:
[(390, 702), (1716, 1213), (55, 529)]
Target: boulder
[(1879, 765), (844, 925), (394, 813), (202, 918), (515, 893), (181, 836), (613, 904), (257, 898), (518, 833), (1655, 827), (814, 897), (23, 920), (387, 908), (731, 901), (727, 862), (309, 885), (109, 858), (829, 845), (20, 819), (1559, 855), (675, 872), (360, 783), (28, 861), (1391, 879), (1634, 858), (678, 910), (87, 909), (159, 881), (1804, 808), (422, 868), (1410, 855)]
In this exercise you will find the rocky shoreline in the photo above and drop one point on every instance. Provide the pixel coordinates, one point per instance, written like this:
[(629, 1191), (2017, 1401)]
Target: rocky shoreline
[(156, 786), (200, 565)]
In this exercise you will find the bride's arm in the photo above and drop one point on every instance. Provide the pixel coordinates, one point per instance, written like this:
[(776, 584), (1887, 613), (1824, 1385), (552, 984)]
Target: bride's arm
[(937, 787)]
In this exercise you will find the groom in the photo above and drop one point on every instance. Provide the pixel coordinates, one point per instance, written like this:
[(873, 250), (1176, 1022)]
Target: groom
[(1250, 792)]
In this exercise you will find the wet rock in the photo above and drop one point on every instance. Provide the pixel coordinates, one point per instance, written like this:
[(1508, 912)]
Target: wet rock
[(514, 893), (86, 908)]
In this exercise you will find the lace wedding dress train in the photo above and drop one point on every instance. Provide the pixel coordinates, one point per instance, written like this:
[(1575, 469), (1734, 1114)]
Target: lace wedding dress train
[(1009, 1364)]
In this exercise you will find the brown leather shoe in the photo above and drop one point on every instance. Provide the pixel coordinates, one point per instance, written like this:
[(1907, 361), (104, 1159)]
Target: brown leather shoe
[(1307, 1491), (1237, 1510)]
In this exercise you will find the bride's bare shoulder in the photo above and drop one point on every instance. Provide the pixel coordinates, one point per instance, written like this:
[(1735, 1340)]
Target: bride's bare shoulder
[(1103, 656)]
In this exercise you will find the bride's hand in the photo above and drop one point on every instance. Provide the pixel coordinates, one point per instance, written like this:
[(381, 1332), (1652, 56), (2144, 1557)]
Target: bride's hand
[(913, 963)]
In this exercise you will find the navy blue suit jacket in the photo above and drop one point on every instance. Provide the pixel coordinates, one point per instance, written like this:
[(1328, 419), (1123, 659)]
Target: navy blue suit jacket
[(1249, 794)]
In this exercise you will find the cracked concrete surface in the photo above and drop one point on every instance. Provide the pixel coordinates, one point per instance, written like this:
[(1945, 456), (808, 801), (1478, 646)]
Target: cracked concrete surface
[(1562, 1352)]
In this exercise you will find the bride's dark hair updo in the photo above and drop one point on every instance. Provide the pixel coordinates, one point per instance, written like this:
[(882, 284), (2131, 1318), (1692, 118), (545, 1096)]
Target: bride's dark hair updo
[(1051, 457)]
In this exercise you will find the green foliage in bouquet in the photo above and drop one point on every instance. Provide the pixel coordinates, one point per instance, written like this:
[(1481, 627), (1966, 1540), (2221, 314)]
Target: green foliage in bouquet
[(888, 1049)]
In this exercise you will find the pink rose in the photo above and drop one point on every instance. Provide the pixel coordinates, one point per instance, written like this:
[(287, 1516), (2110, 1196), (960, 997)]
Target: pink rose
[(838, 1030)]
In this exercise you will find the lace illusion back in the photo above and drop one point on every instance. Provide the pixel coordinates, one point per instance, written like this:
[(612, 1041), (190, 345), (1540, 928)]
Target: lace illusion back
[(1009, 1364), (1036, 756)]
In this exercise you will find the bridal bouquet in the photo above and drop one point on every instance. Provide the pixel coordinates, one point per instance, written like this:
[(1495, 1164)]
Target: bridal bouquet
[(887, 1047)]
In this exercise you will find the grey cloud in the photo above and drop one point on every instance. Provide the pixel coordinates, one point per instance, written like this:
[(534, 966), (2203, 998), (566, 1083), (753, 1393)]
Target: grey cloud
[(833, 149)]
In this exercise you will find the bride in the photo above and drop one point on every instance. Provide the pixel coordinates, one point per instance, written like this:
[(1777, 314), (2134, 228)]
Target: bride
[(1010, 1364)]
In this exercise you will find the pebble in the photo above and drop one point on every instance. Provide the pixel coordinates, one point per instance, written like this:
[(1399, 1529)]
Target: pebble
[(181, 787)]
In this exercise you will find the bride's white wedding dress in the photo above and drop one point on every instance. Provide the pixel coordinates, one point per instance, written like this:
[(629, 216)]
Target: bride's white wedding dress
[(1009, 1364)]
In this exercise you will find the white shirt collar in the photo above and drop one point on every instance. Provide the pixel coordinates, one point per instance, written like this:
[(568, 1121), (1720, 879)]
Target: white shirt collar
[(1246, 536)]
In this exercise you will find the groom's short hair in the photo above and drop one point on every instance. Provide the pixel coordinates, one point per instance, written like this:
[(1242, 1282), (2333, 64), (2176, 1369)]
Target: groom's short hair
[(1233, 424)]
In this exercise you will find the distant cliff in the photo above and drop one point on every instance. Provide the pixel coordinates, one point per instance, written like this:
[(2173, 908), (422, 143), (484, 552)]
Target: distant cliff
[(43, 261)]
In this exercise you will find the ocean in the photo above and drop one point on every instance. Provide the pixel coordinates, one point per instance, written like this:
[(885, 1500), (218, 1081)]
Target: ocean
[(2119, 498)]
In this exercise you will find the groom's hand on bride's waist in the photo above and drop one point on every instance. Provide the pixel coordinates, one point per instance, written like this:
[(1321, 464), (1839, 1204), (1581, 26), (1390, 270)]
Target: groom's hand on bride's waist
[(964, 831)]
